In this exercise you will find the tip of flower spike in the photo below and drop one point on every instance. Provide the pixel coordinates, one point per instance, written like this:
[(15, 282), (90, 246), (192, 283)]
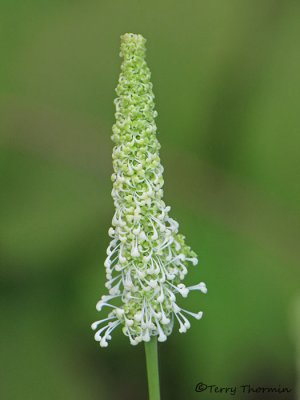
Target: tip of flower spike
[(133, 38), (132, 43)]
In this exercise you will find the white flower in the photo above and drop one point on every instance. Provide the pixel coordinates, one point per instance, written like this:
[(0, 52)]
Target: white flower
[(147, 258)]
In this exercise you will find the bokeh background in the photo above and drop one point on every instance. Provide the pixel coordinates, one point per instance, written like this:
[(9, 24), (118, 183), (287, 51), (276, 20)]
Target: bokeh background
[(227, 84)]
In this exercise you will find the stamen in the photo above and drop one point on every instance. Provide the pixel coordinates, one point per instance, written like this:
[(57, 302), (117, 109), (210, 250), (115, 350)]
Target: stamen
[(96, 323), (201, 286)]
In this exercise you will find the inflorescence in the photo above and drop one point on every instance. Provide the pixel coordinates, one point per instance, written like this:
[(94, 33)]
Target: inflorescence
[(147, 258)]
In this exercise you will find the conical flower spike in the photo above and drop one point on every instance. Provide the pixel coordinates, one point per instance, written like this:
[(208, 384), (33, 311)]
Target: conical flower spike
[(147, 258)]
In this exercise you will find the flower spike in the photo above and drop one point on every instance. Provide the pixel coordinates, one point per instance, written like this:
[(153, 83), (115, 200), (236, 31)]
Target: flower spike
[(147, 258)]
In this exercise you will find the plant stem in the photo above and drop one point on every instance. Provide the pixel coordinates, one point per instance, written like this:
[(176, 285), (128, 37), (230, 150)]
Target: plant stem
[(152, 368)]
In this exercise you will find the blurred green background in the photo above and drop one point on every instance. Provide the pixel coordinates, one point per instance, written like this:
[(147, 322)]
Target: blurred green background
[(227, 84)]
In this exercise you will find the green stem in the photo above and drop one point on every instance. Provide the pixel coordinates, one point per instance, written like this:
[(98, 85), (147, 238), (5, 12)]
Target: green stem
[(152, 368)]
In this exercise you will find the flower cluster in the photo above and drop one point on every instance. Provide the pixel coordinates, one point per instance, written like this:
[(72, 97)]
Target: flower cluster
[(147, 258)]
